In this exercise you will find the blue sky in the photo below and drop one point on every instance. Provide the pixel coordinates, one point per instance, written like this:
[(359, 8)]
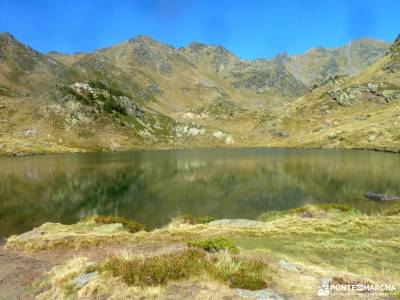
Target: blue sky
[(249, 28)]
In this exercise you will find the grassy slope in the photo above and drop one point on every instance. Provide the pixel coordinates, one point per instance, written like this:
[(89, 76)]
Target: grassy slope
[(315, 120)]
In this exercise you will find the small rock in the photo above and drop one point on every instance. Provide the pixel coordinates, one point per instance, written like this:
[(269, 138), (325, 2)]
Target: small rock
[(193, 131), (28, 132), (229, 140), (264, 294), (236, 223), (218, 134), (30, 235), (83, 279), (109, 228), (387, 93), (283, 264), (280, 133)]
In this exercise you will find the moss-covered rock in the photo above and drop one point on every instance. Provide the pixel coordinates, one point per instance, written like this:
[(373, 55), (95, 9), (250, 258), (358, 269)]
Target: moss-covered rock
[(127, 224)]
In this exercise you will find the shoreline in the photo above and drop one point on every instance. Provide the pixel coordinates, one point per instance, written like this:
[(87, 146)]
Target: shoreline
[(83, 151)]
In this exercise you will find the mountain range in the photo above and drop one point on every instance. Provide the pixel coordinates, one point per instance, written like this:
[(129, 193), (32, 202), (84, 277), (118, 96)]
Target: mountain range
[(145, 94)]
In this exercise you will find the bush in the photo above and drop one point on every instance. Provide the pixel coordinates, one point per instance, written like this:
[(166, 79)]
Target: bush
[(129, 225), (239, 272), (214, 245), (110, 105), (97, 84), (248, 281), (157, 269)]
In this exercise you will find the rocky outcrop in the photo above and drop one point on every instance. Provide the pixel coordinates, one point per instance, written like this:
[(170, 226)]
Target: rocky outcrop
[(380, 93), (280, 133), (394, 49), (189, 130)]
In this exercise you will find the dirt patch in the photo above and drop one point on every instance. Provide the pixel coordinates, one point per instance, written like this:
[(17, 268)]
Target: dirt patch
[(18, 269)]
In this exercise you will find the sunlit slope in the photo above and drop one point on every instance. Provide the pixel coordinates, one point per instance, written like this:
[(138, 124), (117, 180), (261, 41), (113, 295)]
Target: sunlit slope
[(362, 111), (145, 94)]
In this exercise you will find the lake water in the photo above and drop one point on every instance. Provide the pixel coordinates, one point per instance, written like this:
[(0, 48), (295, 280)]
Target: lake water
[(153, 186)]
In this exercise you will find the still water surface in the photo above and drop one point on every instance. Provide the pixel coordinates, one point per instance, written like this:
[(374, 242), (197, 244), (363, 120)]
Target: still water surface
[(153, 186)]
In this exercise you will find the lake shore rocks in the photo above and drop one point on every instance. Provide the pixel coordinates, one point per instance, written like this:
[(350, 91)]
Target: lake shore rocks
[(381, 197), (236, 223)]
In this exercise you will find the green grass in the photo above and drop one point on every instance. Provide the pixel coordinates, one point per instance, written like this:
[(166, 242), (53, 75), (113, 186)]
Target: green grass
[(364, 245), (308, 211), (214, 245), (129, 225)]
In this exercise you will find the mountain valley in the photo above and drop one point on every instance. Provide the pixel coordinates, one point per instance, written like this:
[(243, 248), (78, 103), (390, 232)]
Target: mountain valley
[(142, 94)]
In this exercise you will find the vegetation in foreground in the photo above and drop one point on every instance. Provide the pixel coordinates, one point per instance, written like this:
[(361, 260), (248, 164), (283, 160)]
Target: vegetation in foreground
[(234, 270), (289, 253)]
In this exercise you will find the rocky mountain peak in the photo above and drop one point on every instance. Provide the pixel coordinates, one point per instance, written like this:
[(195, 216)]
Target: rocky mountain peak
[(395, 48), (142, 39), (15, 50), (7, 40), (281, 57), (196, 46), (200, 48), (6, 36)]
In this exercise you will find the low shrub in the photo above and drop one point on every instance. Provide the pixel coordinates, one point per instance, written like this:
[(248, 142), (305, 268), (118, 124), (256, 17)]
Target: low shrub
[(110, 105), (214, 245), (158, 269), (248, 281), (129, 225), (238, 271)]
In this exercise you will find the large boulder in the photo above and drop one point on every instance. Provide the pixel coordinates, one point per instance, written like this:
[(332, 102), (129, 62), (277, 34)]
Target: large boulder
[(381, 197)]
